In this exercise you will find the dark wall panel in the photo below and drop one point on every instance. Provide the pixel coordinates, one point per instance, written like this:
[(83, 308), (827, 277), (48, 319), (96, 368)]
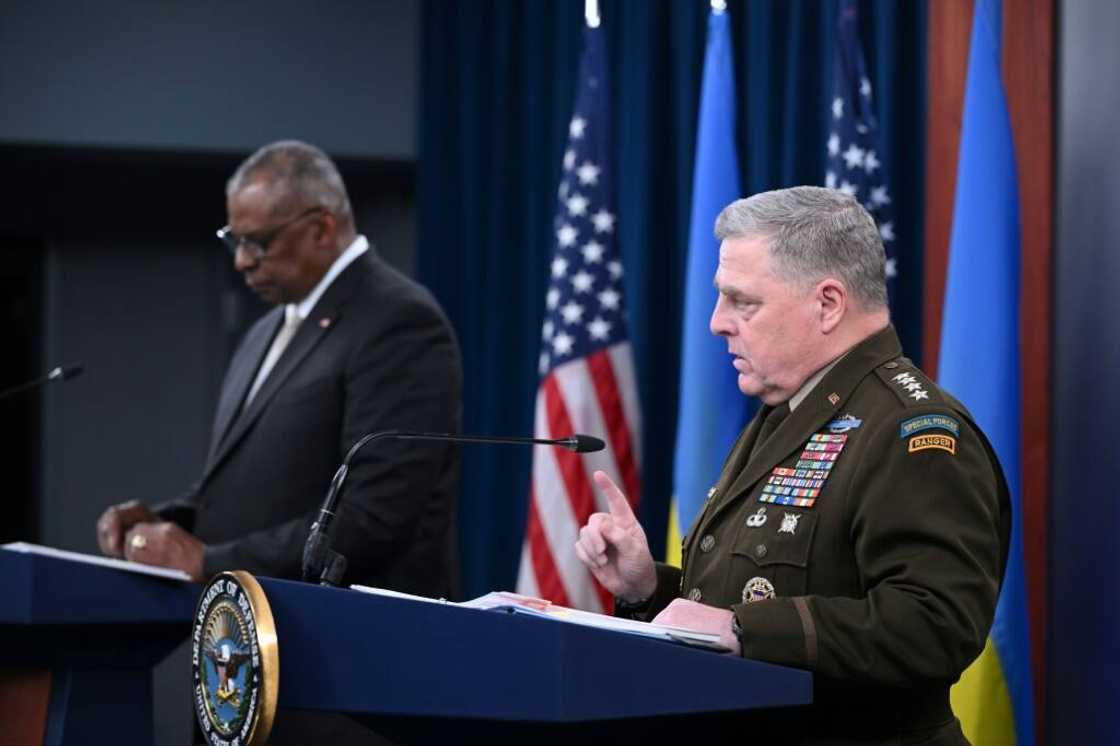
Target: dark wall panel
[(142, 318), (1085, 506), (210, 75)]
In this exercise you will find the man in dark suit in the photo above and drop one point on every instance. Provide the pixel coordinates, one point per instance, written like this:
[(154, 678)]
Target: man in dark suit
[(352, 347), (860, 526)]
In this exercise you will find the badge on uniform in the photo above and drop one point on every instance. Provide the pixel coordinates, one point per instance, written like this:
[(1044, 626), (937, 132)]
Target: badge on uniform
[(844, 424), (758, 589), (789, 523), (756, 519)]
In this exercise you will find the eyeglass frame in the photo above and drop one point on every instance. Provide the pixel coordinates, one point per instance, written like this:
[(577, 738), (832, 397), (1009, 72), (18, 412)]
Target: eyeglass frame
[(258, 246)]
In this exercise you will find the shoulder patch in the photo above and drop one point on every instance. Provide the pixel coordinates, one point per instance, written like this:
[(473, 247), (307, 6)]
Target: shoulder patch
[(928, 422), (926, 442)]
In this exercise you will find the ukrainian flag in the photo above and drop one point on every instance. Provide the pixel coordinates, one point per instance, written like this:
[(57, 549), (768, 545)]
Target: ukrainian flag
[(712, 410), (980, 365)]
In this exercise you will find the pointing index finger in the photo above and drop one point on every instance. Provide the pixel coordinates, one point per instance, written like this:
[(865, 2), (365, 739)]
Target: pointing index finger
[(617, 503)]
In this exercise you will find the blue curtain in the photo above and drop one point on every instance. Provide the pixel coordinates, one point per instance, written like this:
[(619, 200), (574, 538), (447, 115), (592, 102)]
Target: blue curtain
[(497, 79)]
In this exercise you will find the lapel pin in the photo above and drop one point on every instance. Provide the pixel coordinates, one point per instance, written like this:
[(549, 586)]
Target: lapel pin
[(325, 322), (833, 398)]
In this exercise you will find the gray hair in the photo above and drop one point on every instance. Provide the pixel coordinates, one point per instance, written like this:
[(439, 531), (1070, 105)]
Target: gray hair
[(304, 174), (814, 233)]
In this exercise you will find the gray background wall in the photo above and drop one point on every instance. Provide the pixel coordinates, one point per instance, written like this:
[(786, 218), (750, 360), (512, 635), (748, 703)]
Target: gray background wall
[(211, 75)]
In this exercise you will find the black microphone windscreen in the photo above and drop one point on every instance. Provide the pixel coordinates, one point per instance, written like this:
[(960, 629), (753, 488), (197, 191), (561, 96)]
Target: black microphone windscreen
[(70, 371), (588, 444)]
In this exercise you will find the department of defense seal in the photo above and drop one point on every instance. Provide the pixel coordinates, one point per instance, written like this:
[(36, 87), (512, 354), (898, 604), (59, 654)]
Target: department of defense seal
[(234, 662)]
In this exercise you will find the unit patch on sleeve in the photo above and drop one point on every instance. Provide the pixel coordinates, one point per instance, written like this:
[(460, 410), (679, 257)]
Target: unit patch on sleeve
[(929, 422), (940, 442)]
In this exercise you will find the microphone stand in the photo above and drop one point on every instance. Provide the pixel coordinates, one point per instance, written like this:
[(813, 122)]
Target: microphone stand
[(322, 562)]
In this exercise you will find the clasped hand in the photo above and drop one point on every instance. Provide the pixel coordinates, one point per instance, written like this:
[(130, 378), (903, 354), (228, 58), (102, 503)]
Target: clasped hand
[(131, 531)]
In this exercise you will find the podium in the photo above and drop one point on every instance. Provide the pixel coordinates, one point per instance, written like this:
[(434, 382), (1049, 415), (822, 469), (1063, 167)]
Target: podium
[(412, 670), (77, 646), (419, 672)]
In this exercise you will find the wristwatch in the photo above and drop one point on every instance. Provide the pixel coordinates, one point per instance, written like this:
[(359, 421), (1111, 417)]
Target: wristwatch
[(632, 609)]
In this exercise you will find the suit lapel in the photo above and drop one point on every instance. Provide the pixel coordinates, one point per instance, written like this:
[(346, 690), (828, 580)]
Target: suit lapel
[(319, 322), (242, 372)]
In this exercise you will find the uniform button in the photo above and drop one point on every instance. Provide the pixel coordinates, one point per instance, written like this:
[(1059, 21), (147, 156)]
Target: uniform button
[(694, 594), (760, 551), (707, 543), (891, 365)]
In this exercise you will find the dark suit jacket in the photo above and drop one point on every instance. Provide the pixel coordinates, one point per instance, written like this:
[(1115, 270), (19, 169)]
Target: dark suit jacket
[(375, 353), (879, 572)]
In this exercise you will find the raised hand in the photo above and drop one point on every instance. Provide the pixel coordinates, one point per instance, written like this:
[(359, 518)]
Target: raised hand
[(613, 546)]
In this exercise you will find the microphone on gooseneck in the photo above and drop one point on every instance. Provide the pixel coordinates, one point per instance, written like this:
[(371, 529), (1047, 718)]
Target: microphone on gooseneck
[(328, 566), (60, 373)]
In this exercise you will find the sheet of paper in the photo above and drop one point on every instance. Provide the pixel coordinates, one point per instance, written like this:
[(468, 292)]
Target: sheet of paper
[(396, 594), (539, 607), (91, 559)]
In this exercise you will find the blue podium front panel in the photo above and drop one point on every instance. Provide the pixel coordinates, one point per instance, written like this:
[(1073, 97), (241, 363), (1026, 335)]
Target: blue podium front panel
[(353, 652), (99, 631)]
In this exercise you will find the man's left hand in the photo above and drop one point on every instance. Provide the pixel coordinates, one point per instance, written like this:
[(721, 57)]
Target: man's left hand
[(167, 545), (700, 618)]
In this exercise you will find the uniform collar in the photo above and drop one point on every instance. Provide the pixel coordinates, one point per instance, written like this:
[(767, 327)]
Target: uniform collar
[(818, 407)]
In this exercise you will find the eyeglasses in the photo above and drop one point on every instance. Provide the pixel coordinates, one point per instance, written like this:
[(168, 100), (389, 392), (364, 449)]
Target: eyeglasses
[(257, 245)]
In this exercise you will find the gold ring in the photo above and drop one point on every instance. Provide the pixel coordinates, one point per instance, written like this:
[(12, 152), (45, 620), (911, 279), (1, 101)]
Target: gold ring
[(139, 541)]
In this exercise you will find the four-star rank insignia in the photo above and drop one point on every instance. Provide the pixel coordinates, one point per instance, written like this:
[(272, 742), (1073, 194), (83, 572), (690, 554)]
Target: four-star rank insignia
[(234, 661)]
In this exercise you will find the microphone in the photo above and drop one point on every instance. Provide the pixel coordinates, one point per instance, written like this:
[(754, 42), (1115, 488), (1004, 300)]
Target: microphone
[(322, 562), (59, 373)]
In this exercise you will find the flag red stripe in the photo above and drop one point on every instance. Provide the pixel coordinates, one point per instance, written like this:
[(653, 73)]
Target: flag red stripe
[(576, 479), (549, 584), (610, 404)]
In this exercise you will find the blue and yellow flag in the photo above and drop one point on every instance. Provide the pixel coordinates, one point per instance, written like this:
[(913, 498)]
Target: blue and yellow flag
[(712, 410), (980, 365)]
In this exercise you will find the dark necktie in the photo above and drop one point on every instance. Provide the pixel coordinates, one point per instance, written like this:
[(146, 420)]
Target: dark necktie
[(769, 425)]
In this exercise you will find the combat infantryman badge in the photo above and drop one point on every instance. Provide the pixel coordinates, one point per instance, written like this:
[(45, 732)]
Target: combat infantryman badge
[(234, 662)]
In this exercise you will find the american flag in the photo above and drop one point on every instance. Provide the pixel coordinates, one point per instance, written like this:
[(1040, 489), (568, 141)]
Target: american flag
[(854, 144), (587, 371)]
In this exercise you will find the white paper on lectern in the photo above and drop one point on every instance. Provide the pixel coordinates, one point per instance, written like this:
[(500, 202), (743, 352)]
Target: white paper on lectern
[(92, 559), (518, 604)]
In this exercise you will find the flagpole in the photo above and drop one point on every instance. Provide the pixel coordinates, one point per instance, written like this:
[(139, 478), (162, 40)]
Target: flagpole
[(591, 13)]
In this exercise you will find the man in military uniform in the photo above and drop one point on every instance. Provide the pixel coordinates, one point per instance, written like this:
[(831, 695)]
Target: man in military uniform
[(860, 526)]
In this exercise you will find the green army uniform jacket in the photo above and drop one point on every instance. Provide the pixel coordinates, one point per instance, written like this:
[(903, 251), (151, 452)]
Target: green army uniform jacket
[(864, 540)]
